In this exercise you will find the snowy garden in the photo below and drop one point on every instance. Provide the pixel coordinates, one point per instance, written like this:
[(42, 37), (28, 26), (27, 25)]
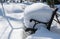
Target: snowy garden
[(16, 19)]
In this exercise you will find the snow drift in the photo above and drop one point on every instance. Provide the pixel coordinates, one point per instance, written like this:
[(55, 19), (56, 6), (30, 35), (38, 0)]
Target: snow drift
[(14, 8), (43, 33)]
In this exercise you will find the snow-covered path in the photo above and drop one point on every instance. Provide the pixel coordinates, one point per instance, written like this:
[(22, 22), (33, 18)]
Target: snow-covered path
[(13, 27)]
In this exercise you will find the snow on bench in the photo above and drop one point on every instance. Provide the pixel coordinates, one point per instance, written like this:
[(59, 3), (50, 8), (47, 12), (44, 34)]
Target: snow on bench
[(43, 13), (37, 11)]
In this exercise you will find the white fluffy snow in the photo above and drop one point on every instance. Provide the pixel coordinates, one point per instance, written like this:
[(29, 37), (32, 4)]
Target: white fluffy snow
[(37, 11), (14, 8), (15, 20), (43, 33), (17, 34), (15, 14), (4, 28)]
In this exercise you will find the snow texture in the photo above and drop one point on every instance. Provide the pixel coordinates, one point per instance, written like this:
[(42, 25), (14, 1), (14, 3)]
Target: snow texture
[(37, 11), (14, 8), (43, 33), (11, 26)]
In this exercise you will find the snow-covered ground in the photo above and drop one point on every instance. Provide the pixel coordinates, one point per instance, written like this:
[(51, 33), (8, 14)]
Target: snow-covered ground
[(12, 26), (43, 33)]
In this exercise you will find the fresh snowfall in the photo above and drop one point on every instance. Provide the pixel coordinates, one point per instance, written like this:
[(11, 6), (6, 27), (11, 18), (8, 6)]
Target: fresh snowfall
[(15, 18)]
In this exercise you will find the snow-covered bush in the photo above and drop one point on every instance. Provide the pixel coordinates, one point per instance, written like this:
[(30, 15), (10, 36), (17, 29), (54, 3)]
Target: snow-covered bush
[(37, 11)]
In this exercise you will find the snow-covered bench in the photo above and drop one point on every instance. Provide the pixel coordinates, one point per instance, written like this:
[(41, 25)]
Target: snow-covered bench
[(39, 14), (38, 11), (32, 11)]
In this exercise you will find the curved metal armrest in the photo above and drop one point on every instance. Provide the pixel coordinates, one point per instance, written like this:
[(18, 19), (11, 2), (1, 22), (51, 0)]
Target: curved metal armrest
[(37, 21), (33, 29)]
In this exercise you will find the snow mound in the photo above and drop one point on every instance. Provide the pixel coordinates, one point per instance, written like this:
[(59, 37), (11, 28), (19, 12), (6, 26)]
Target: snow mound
[(37, 11), (14, 8), (43, 33)]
